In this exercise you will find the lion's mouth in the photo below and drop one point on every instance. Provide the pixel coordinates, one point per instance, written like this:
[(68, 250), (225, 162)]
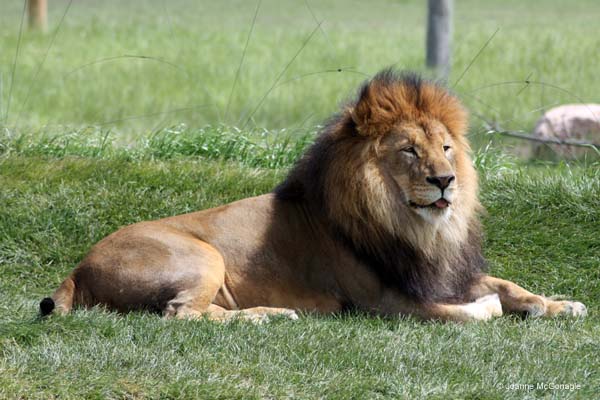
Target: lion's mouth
[(438, 204)]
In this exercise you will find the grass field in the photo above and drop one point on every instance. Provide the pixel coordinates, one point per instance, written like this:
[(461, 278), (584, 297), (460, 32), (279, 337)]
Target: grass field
[(542, 231), (87, 76), (97, 142)]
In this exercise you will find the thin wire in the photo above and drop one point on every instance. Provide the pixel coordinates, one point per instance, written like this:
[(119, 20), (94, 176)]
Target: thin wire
[(526, 84), (239, 69), (326, 71), (141, 57), (319, 22), (476, 57), (280, 75), (155, 114), (37, 72), (12, 77), (543, 84)]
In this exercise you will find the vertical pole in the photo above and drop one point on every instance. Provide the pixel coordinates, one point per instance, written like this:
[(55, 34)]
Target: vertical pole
[(38, 14), (439, 36)]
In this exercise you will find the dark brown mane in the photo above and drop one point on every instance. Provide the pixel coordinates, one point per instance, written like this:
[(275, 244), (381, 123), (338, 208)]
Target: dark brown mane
[(338, 152)]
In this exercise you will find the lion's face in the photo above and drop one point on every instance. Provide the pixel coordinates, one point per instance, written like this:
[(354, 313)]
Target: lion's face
[(420, 160), (396, 162)]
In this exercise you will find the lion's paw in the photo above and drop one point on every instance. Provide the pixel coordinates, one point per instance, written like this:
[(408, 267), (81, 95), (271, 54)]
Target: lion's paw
[(272, 314), (291, 314), (567, 308), (484, 308), (535, 306)]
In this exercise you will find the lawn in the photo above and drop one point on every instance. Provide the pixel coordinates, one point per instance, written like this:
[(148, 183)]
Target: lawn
[(100, 139), (542, 231), (289, 76)]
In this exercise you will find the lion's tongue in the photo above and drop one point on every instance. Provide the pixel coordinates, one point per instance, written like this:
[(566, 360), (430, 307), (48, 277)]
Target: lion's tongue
[(441, 203)]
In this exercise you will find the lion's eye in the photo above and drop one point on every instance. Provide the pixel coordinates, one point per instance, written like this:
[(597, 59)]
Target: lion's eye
[(410, 150), (446, 148)]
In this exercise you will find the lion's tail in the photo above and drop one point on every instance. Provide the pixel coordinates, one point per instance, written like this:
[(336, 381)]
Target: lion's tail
[(61, 300)]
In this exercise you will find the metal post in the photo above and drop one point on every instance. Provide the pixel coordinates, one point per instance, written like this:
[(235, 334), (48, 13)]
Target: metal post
[(439, 36)]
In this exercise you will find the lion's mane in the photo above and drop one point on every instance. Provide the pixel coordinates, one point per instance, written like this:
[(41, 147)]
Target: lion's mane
[(340, 183)]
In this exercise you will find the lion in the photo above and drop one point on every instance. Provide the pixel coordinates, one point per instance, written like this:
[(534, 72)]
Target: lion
[(380, 215)]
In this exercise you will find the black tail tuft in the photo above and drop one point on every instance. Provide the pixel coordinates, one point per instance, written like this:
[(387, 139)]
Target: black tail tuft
[(46, 306)]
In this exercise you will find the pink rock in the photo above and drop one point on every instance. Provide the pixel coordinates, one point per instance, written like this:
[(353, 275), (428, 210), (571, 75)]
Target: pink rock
[(570, 121)]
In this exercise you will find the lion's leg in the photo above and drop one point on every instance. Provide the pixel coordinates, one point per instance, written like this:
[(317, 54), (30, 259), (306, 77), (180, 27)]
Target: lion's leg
[(254, 314), (485, 308), (218, 313), (516, 299), (196, 295), (274, 311), (190, 304)]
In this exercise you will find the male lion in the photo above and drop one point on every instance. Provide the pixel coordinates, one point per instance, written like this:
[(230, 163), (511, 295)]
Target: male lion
[(379, 215)]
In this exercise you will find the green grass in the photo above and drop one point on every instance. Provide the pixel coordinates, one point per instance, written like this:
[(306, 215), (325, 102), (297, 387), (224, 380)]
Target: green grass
[(87, 147), (254, 148), (541, 230), (200, 44)]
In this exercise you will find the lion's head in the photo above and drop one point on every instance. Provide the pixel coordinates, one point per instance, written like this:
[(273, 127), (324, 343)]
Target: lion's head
[(416, 129), (391, 174)]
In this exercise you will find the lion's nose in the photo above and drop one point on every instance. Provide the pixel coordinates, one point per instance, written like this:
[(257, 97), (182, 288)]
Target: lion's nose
[(440, 181)]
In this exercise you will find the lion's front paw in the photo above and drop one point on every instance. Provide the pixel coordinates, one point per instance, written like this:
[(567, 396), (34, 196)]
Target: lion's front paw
[(566, 308), (291, 314), (257, 319), (484, 308), (534, 306), (492, 304), (269, 312)]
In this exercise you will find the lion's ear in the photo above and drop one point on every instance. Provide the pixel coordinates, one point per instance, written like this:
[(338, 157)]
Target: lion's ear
[(373, 113), (361, 111)]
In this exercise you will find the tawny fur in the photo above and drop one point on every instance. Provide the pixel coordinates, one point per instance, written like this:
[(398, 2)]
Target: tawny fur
[(363, 221)]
